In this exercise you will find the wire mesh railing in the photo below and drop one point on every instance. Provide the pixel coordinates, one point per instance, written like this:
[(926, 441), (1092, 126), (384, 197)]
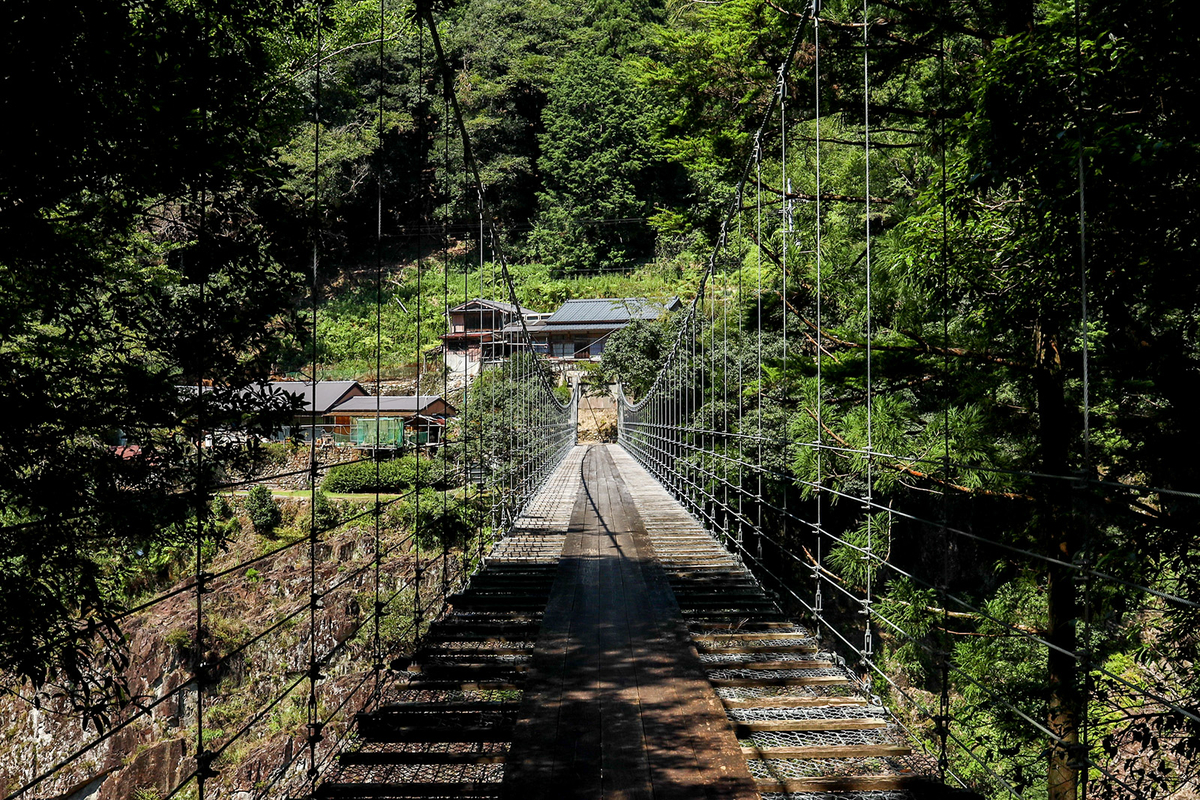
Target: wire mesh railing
[(245, 674), (1002, 601)]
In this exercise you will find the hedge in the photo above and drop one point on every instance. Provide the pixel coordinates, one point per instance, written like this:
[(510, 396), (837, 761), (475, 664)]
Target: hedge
[(396, 475)]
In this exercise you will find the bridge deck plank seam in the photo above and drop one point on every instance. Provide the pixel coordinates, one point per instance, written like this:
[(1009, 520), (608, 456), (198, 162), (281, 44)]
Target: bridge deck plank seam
[(617, 704)]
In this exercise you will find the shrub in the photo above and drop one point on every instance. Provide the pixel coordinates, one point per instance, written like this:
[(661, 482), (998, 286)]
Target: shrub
[(262, 510), (350, 478), (225, 523), (326, 513), (275, 453), (179, 639), (396, 475), (220, 508), (444, 520)]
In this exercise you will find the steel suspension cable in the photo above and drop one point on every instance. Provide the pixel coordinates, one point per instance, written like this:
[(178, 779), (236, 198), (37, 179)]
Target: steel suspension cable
[(758, 153), (943, 721), (741, 381), (820, 347), (418, 567), (314, 725), (870, 478), (444, 533), (199, 668), (1088, 470), (376, 635), (786, 225)]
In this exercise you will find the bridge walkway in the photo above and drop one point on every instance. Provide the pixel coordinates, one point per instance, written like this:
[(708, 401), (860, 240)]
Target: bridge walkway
[(612, 649)]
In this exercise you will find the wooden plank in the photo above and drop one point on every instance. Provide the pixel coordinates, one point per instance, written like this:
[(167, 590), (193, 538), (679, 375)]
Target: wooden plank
[(404, 790), (619, 649), (715, 768), (531, 765), (691, 754), (500, 602), (798, 664), (478, 652), (742, 625), (576, 746), (464, 686), (386, 733), (625, 767), (441, 671), (760, 648), (415, 706), (784, 701), (829, 751), (384, 758), (856, 783), (721, 637), (497, 630), (850, 724), (698, 615), (807, 680), (670, 747)]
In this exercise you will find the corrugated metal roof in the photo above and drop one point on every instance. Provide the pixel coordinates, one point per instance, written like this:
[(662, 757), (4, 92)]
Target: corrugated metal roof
[(496, 304), (328, 392), (617, 310), (580, 326), (409, 403), (515, 327)]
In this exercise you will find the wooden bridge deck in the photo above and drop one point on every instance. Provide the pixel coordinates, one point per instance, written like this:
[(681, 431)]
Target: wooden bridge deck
[(616, 704), (611, 648)]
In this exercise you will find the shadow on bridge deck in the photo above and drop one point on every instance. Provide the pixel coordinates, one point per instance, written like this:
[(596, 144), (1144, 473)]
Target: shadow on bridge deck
[(617, 704)]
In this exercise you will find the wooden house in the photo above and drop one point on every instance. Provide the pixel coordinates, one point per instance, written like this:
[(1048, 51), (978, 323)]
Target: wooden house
[(475, 334), (579, 330), (391, 421)]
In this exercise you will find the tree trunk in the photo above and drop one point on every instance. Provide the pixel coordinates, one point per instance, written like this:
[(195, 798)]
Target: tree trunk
[(1058, 534)]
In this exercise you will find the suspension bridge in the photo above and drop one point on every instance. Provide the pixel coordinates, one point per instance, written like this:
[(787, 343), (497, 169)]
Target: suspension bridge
[(694, 611), (648, 662)]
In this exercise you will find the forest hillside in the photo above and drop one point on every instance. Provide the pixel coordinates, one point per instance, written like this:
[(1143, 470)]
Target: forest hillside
[(943, 259)]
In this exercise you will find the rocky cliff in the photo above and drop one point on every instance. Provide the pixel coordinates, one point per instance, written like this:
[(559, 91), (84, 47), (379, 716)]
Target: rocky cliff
[(256, 628)]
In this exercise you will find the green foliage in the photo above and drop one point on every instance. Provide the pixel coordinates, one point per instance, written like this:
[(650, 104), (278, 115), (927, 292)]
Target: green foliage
[(262, 510), (441, 520), (595, 162), (276, 452), (224, 523), (395, 475), (178, 639), (634, 354), (857, 560), (326, 513), (221, 509), (139, 255)]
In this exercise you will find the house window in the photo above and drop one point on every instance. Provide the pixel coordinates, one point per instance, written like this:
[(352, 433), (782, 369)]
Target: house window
[(480, 320)]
